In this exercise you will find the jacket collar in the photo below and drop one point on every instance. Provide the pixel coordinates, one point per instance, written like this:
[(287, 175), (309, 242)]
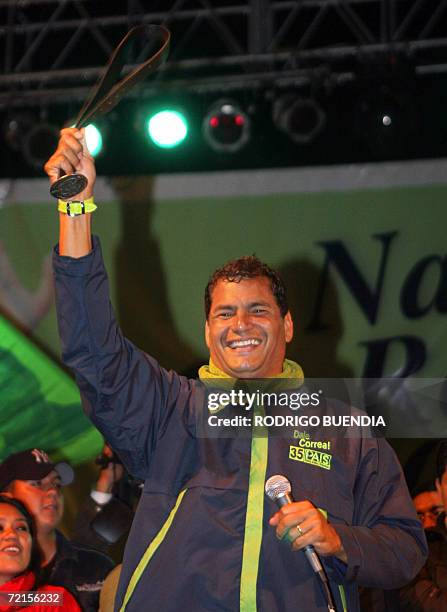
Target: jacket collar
[(64, 548), (24, 582)]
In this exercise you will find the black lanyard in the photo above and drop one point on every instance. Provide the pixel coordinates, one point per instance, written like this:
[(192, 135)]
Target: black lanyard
[(109, 90)]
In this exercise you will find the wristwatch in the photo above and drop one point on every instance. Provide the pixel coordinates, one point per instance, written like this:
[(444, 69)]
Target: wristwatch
[(74, 208)]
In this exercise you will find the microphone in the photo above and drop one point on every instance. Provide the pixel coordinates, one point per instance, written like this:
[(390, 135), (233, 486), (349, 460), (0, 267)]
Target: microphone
[(279, 490)]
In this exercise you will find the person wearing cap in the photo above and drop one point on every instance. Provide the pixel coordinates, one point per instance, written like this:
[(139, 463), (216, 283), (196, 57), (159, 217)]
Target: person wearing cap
[(32, 478)]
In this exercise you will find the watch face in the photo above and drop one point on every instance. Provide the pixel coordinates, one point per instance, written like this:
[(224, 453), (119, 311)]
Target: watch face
[(68, 186)]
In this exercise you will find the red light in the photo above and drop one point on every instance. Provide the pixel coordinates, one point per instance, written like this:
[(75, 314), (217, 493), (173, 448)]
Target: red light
[(214, 122), (239, 120)]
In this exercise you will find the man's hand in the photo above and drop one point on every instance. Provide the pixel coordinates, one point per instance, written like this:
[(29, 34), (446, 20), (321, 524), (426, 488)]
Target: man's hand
[(71, 156), (110, 474), (314, 529)]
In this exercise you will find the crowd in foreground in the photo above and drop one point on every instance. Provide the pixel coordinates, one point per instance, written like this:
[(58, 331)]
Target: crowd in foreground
[(37, 562)]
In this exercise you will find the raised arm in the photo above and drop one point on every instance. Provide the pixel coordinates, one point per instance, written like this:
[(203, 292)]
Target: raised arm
[(70, 156), (126, 393)]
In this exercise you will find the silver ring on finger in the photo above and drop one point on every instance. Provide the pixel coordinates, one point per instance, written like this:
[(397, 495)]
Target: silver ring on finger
[(300, 531)]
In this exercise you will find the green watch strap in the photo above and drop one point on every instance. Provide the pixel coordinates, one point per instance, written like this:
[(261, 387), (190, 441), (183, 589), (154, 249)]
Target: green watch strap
[(73, 208)]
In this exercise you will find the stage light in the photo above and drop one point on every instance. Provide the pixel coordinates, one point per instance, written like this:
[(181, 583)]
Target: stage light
[(302, 119), (167, 128), (381, 113), (93, 139), (16, 126), (39, 143), (226, 127), (385, 120), (385, 116), (35, 138)]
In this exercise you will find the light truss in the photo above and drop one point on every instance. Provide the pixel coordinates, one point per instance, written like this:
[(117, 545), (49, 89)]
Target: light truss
[(54, 50)]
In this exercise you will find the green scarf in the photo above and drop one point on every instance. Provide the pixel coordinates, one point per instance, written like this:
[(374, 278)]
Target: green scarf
[(290, 369)]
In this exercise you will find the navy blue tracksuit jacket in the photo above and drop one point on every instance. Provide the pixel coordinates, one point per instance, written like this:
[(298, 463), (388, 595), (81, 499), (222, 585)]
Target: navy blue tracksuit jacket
[(200, 540)]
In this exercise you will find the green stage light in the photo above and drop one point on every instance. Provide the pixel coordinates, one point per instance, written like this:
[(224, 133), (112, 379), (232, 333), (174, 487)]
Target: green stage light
[(94, 139), (167, 128)]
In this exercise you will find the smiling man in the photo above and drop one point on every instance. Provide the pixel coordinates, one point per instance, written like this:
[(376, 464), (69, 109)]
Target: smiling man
[(247, 319), (32, 478), (205, 537)]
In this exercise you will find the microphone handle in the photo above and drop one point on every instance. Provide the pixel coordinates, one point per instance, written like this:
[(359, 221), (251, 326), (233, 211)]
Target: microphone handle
[(309, 550), (312, 558)]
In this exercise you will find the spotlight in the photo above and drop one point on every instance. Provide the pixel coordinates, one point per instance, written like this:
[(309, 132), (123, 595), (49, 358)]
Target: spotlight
[(167, 128), (386, 115), (93, 139), (302, 119), (16, 127), (39, 143), (226, 127), (386, 121)]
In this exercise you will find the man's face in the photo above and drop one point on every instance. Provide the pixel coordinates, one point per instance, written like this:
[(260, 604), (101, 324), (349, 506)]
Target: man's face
[(245, 332), (43, 498), (428, 506)]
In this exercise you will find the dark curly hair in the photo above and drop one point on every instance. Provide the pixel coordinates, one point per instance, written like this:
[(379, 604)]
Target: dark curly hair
[(36, 556), (241, 269)]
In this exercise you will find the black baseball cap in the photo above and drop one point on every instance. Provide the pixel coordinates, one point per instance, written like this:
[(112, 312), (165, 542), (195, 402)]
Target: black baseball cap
[(32, 464)]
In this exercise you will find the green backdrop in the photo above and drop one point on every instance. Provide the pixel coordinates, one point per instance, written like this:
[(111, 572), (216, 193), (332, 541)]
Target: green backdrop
[(159, 254)]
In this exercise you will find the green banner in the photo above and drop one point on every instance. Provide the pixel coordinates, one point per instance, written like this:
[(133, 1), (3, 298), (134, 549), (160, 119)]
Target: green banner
[(366, 271), (39, 403)]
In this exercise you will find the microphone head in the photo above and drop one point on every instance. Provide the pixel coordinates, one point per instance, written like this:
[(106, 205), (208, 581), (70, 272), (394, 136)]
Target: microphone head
[(277, 486)]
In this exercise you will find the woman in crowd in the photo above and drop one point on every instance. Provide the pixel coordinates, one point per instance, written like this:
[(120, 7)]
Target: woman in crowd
[(19, 565)]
